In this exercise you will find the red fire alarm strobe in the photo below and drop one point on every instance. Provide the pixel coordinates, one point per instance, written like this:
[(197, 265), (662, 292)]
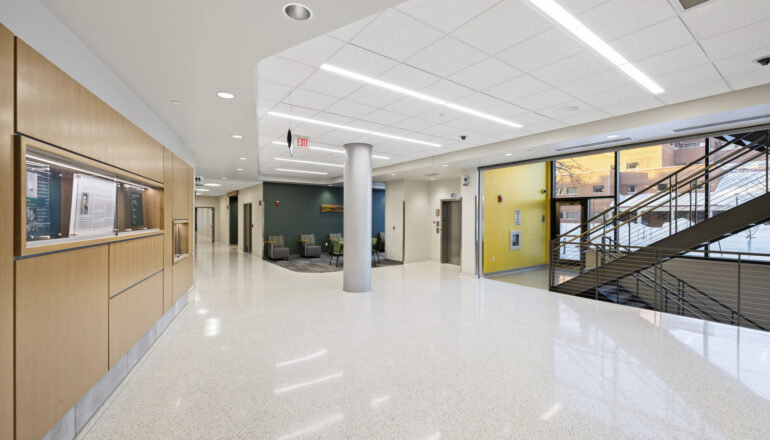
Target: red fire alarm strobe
[(277, 203), (260, 203), (499, 198)]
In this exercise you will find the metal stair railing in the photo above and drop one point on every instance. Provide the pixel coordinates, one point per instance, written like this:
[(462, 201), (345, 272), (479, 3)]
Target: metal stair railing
[(678, 186)]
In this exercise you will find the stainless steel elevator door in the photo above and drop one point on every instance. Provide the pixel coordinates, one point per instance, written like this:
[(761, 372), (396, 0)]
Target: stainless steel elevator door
[(451, 231)]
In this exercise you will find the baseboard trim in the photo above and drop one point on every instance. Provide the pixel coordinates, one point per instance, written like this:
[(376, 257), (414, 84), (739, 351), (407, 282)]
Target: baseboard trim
[(513, 271), (79, 415)]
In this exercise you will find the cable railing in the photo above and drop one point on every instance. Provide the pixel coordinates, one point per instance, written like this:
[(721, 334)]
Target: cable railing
[(725, 177), (731, 291)]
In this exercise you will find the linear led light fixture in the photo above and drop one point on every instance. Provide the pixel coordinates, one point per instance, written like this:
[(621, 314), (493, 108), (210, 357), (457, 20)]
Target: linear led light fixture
[(310, 162), (332, 150), (300, 171), (587, 36), (349, 128), (414, 94)]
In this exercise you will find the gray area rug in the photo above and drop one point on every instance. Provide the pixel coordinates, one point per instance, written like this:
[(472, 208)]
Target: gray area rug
[(321, 264)]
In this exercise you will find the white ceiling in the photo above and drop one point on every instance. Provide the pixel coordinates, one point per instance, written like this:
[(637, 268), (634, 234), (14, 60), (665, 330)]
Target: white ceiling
[(189, 50), (503, 58), (496, 56)]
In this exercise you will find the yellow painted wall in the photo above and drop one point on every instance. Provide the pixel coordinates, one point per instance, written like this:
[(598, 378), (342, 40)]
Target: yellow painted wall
[(522, 188)]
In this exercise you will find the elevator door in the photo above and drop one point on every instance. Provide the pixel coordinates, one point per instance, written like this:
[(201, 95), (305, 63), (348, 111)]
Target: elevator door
[(247, 227), (451, 235)]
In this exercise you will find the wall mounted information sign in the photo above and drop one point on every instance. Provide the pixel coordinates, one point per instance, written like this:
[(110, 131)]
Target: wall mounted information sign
[(515, 240)]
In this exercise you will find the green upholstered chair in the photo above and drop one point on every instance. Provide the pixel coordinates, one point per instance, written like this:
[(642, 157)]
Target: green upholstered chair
[(333, 237), (309, 248), (276, 249), (337, 251)]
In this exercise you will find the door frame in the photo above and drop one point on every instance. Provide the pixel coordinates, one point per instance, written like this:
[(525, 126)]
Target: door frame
[(213, 222), (582, 222), (248, 228), (442, 230)]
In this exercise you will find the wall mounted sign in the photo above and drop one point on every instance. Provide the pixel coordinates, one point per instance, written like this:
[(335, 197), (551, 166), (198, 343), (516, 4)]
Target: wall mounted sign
[(332, 208), (517, 217), (289, 142)]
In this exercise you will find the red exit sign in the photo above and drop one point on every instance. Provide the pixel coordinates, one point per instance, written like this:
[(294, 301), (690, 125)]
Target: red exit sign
[(302, 141)]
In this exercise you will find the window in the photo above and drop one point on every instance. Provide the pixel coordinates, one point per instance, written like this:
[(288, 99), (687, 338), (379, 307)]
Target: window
[(580, 174), (662, 186), (559, 191), (598, 188), (632, 165), (572, 215), (631, 189)]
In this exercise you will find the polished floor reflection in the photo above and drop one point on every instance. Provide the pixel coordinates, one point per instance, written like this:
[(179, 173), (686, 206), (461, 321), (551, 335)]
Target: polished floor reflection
[(265, 353)]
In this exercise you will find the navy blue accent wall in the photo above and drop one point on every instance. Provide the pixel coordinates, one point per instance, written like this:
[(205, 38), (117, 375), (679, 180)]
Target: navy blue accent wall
[(300, 212)]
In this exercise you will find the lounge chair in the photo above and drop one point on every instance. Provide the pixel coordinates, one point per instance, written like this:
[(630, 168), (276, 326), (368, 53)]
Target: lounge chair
[(276, 249), (309, 248)]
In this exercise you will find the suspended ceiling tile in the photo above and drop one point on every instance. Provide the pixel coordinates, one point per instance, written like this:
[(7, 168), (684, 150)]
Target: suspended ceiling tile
[(361, 61), (750, 37), (516, 88), (695, 91), (409, 77), (374, 96), (672, 61), (445, 15), (485, 74), (447, 90), (396, 35), (654, 40), (601, 82), (350, 108), (480, 102), (632, 106), (506, 24), (347, 33), (571, 69), (446, 57), (410, 106), (617, 18), (541, 50), (547, 98), (330, 84), (308, 99), (715, 17), (385, 117)]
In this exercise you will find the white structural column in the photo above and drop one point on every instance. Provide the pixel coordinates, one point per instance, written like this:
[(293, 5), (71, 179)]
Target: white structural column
[(357, 217)]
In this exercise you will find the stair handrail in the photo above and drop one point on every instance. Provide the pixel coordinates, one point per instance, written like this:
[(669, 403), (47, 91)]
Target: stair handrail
[(662, 193), (615, 244), (679, 185), (641, 193)]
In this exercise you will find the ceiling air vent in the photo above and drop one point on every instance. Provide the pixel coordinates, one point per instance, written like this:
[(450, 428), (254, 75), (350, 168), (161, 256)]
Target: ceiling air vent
[(431, 175), (717, 124), (595, 144), (687, 4)]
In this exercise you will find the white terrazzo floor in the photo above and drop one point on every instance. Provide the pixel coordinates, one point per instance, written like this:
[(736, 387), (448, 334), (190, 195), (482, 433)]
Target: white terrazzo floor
[(264, 353)]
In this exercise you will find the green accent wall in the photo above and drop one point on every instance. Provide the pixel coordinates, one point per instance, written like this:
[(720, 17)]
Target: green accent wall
[(300, 212)]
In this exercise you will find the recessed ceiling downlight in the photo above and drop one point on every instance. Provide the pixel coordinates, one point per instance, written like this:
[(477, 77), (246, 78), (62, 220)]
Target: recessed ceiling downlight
[(298, 11), (225, 95)]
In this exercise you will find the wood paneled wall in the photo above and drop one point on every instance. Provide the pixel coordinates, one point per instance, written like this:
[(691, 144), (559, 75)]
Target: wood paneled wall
[(6, 233), (56, 314), (61, 334), (168, 237), (133, 313), (183, 277), (180, 185), (54, 108), (132, 261)]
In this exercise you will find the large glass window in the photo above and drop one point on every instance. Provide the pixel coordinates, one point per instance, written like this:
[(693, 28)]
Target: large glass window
[(585, 176), (744, 179)]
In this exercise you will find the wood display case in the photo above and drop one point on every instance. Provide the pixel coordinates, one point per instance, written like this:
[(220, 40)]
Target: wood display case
[(65, 201)]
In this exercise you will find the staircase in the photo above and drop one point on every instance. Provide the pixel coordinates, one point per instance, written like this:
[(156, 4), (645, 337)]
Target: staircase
[(616, 250)]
